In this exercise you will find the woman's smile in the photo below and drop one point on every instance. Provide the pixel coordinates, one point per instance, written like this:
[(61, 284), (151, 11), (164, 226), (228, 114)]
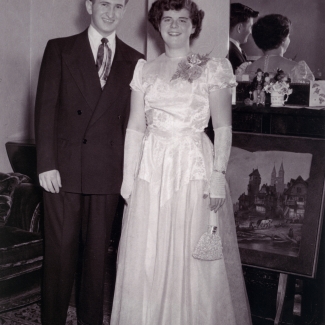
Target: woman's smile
[(174, 33)]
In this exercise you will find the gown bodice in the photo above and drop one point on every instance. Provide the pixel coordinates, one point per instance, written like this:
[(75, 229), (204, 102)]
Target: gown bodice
[(179, 105)]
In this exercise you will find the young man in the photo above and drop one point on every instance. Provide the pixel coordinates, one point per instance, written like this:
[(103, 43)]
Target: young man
[(82, 109), (241, 21)]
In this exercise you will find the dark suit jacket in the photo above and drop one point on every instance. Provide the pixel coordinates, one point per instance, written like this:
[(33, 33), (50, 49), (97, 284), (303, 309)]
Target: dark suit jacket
[(80, 128), (235, 57)]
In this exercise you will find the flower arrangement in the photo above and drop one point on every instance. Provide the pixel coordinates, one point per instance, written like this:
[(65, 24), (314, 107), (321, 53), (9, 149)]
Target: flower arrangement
[(280, 87), (191, 68), (279, 84)]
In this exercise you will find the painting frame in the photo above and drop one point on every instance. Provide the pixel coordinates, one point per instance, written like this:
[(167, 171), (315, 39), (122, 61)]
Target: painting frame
[(305, 263)]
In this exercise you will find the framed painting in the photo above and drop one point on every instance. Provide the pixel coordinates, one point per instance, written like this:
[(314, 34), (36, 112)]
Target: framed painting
[(277, 189)]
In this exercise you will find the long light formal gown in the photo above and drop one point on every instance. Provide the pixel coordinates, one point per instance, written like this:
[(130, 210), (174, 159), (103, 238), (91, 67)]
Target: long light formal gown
[(158, 281)]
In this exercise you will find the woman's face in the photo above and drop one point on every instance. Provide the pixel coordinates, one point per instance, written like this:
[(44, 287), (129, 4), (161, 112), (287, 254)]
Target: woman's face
[(176, 28), (286, 43)]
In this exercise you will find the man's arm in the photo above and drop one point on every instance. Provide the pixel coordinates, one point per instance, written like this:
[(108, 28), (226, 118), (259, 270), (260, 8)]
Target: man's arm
[(47, 101), (235, 58)]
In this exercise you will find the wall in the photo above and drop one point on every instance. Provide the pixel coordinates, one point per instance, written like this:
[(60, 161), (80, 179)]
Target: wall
[(308, 29), (14, 73), (25, 28)]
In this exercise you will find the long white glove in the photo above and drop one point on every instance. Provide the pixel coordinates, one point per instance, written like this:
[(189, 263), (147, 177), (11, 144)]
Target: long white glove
[(222, 147), (132, 149)]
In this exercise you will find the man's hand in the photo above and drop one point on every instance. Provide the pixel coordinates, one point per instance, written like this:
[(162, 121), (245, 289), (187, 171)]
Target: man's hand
[(50, 181), (216, 204)]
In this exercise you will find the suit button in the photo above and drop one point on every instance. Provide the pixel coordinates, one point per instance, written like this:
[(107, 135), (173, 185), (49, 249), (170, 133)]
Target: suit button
[(111, 143), (119, 117), (84, 141), (79, 112)]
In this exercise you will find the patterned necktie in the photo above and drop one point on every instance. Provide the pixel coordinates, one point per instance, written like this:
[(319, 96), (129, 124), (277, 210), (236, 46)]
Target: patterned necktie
[(103, 62)]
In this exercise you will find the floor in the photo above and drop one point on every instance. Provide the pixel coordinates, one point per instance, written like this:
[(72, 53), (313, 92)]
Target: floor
[(31, 314)]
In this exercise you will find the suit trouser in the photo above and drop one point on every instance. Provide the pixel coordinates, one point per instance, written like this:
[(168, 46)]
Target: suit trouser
[(71, 218)]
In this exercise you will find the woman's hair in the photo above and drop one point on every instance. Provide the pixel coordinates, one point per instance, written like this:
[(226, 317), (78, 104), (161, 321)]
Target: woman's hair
[(270, 31), (159, 6)]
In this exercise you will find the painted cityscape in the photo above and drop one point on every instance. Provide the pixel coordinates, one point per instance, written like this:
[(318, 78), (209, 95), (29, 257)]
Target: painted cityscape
[(269, 190)]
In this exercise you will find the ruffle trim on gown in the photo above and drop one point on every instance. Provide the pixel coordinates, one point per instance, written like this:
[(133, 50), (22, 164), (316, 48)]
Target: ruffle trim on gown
[(301, 73)]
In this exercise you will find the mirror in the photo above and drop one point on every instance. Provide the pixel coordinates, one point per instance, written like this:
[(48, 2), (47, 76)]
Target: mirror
[(307, 32)]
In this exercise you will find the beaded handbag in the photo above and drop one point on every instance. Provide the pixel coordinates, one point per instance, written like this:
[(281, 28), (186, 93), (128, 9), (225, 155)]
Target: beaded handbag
[(209, 247)]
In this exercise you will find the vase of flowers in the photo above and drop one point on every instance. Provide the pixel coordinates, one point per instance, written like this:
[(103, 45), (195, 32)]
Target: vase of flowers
[(279, 88)]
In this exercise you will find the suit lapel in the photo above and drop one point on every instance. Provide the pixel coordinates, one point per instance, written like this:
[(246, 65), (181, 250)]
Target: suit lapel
[(81, 63), (120, 71), (238, 52)]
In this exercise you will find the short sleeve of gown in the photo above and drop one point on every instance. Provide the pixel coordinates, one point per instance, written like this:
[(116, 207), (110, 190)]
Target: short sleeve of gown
[(137, 81), (220, 74), (301, 73)]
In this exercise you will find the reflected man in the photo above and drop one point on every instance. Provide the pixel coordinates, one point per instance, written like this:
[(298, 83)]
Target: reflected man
[(241, 21)]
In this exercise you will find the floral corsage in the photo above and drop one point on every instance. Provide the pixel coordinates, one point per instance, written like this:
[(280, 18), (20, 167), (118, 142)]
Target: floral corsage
[(191, 68)]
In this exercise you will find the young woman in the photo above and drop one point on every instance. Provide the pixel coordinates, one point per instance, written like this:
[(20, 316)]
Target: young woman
[(175, 186), (271, 34)]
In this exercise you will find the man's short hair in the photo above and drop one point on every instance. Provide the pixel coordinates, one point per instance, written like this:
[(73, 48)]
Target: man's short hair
[(240, 13)]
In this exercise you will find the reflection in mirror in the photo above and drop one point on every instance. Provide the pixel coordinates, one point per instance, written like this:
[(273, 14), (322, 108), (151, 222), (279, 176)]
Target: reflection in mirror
[(307, 32)]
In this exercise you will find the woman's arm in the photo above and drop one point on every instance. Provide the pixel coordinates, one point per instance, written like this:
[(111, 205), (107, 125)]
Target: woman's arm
[(220, 107), (137, 120), (133, 141)]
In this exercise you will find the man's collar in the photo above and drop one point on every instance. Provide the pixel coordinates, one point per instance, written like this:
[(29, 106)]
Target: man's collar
[(236, 43), (97, 37)]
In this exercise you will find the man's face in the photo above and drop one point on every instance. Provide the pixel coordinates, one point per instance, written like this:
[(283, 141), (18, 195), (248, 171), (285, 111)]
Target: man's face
[(105, 14), (246, 30)]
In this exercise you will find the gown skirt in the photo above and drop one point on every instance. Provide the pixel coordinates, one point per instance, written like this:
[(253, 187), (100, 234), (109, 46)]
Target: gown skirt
[(158, 281)]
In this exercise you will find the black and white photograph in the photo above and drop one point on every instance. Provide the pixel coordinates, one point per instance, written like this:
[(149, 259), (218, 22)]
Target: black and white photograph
[(162, 162)]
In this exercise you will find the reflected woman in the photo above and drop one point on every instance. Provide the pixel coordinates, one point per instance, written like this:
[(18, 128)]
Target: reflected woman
[(177, 186), (271, 34)]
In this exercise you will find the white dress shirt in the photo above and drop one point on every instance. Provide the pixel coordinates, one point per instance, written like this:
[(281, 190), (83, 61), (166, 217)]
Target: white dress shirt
[(236, 43)]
